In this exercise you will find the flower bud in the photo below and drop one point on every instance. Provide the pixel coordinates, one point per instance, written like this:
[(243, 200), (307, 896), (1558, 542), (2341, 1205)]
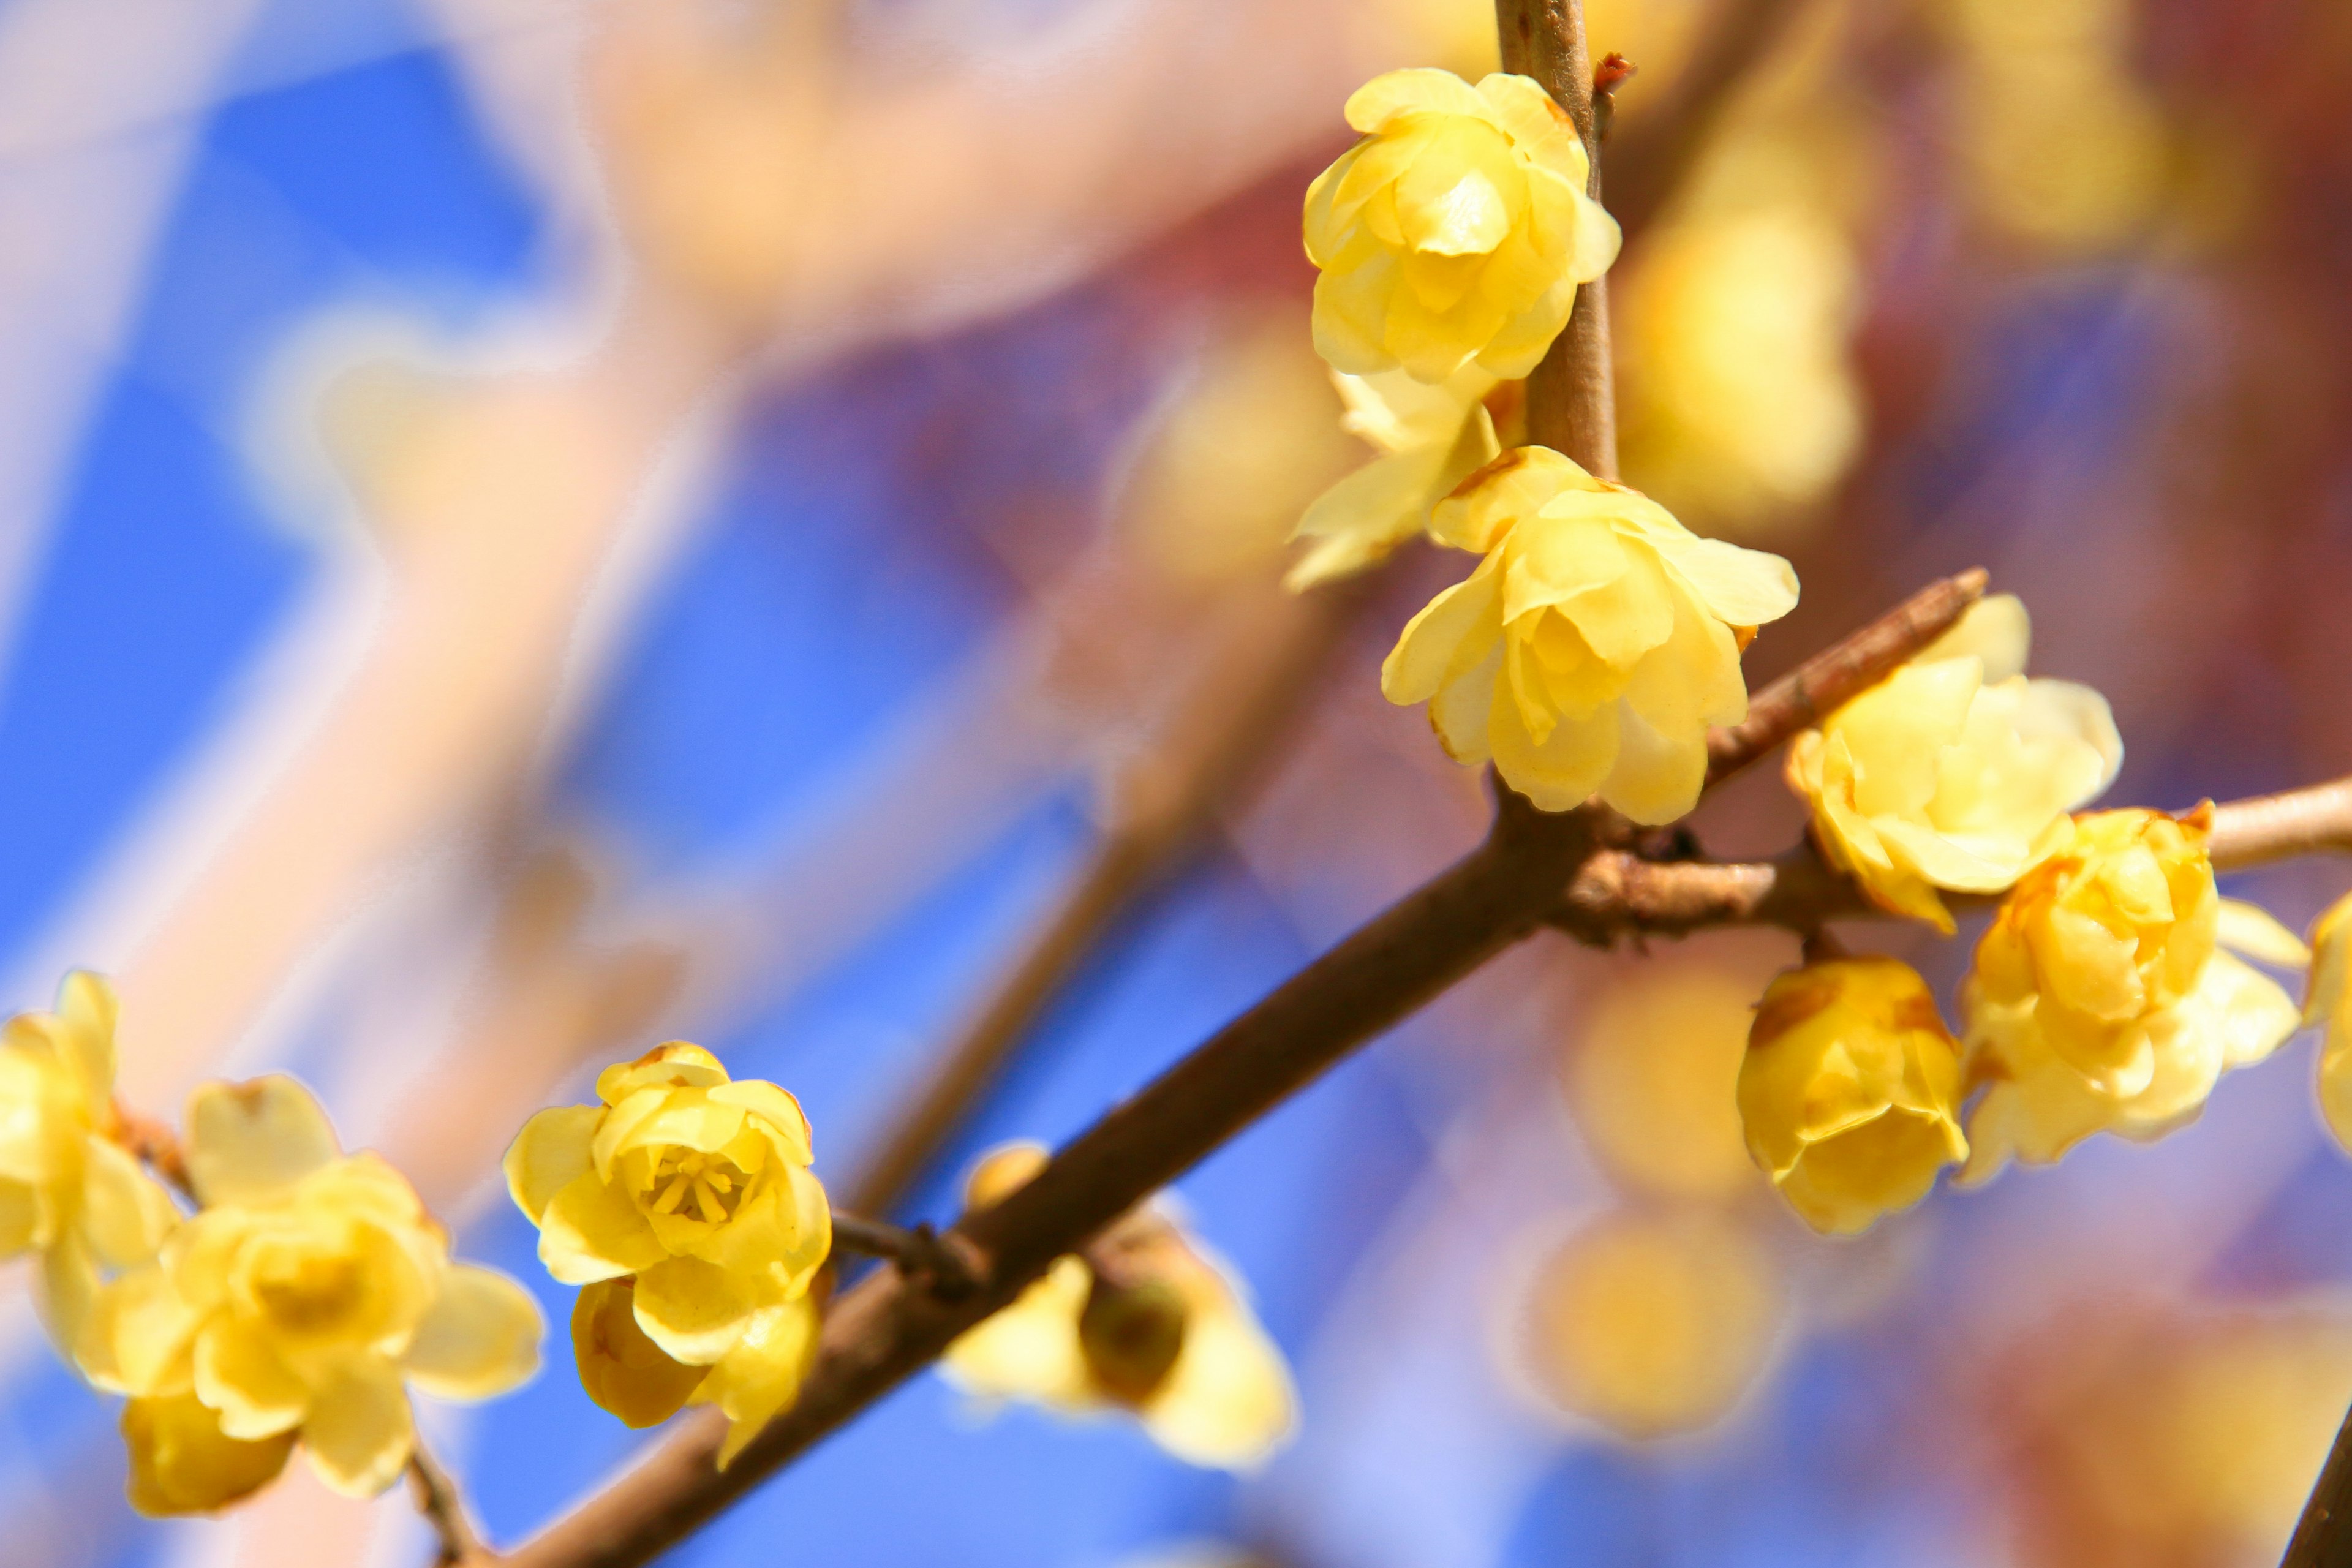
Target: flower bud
[(623, 1370)]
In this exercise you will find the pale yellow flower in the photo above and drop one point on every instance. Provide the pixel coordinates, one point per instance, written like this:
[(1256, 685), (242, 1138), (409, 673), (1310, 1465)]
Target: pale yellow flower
[(630, 1375), (1431, 438), (2052, 1078), (1954, 772), (1654, 1325), (696, 1189), (1592, 647), (67, 1190), (2328, 1005), (1850, 1092), (304, 1297), (182, 1462), (1171, 1341), (1456, 230)]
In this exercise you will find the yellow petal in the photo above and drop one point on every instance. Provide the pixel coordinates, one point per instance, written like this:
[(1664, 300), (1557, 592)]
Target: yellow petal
[(622, 1371), (361, 1431), (248, 1142), (125, 1213), (140, 1333), (181, 1461), (479, 1338), (1451, 634), (761, 1376), (776, 1108), (1995, 631), (550, 1154), (697, 1311), (1228, 1400), (590, 1231), (1656, 778), (2252, 930), (1411, 91), (239, 1374), (86, 1006), (1740, 587), (677, 1064), (1029, 1350)]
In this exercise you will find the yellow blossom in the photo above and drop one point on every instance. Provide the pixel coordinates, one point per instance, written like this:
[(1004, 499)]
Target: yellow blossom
[(1954, 772), (1170, 1339), (1593, 645), (1431, 438), (630, 1375), (2327, 1005), (2055, 1072), (1652, 1325), (694, 1187), (1850, 1091), (67, 1190), (1456, 231), (182, 1462), (306, 1293)]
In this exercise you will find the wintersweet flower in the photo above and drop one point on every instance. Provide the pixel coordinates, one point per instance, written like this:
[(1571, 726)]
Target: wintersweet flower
[(1456, 230), (304, 1297), (1850, 1091), (69, 1192), (1595, 643), (1431, 438), (1151, 1326), (2328, 1005), (630, 1375), (1954, 772), (696, 1189), (2147, 1073)]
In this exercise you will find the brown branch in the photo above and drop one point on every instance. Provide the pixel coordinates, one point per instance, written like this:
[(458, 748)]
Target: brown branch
[(1215, 747), (918, 1251), (155, 1145), (1836, 675), (2278, 827), (1572, 395), (1653, 153), (437, 1499)]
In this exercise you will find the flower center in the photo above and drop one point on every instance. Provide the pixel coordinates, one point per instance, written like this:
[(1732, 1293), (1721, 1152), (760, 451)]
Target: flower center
[(309, 1294), (707, 1186)]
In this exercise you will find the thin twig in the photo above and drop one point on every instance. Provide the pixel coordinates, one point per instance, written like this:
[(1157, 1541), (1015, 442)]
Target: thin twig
[(1572, 395), (2277, 827), (438, 1499), (917, 1250), (1651, 153), (154, 1145)]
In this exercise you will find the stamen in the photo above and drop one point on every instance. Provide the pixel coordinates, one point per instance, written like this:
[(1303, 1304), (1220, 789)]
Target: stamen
[(707, 1202), (672, 1196)]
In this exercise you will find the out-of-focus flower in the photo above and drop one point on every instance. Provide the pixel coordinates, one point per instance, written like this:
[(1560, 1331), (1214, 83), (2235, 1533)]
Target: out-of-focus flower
[(1456, 230), (1850, 1091), (1954, 772), (1652, 1326), (1151, 1325), (1652, 1073), (1431, 438), (182, 1462), (2328, 1005), (1593, 645), (695, 1188), (2038, 1103), (303, 1297), (1741, 403), (1244, 442), (67, 1190)]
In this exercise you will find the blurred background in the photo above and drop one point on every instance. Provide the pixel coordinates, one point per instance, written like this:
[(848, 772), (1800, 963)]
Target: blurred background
[(529, 528)]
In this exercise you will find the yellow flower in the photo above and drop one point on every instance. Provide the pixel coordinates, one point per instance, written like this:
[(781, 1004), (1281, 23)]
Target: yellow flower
[(2052, 1077), (2327, 1005), (1456, 231), (1431, 439), (1170, 1339), (1654, 1325), (630, 1375), (67, 1190), (1850, 1091), (304, 1295), (182, 1462), (1955, 770), (1593, 645), (696, 1188)]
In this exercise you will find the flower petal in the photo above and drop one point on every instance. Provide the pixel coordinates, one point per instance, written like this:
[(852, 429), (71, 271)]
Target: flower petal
[(549, 1154), (761, 1376), (1739, 588), (479, 1338), (592, 1231), (1451, 634), (182, 1462), (125, 1213), (248, 1142), (239, 1374), (1411, 91), (360, 1431), (695, 1310)]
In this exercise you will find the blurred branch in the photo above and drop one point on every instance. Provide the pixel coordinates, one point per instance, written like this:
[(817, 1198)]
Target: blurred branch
[(437, 1499), (920, 1250), (1652, 156), (1159, 808), (2277, 827)]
